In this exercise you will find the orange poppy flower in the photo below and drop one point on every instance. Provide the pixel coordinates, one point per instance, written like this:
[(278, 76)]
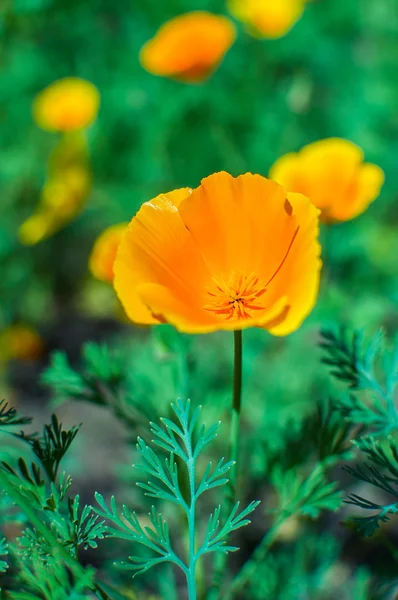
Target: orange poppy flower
[(333, 175), (267, 18), (66, 105), (190, 47), (230, 254), (63, 194), (104, 252), (20, 342)]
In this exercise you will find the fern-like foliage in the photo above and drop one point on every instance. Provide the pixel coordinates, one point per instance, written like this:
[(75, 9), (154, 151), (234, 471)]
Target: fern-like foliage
[(84, 526), (52, 446), (370, 371), (178, 439), (103, 379), (39, 581), (9, 416), (3, 554), (379, 470), (371, 374), (45, 557), (300, 495)]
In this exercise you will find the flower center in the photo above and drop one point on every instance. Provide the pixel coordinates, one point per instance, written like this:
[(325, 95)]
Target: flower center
[(235, 297)]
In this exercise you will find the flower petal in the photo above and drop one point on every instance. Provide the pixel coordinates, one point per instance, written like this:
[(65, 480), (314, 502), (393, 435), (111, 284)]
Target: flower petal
[(157, 248), (332, 175), (167, 307), (299, 276), (268, 18), (68, 104), (189, 47), (363, 191), (103, 254), (238, 223)]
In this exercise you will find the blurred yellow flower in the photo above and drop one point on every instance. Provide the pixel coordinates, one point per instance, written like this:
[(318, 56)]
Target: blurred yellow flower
[(63, 194), (20, 342), (66, 105), (332, 174), (233, 253), (104, 252), (267, 18), (189, 47)]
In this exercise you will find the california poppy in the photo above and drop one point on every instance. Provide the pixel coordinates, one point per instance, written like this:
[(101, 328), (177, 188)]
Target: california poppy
[(267, 18), (333, 175), (66, 105), (189, 47), (20, 342), (64, 193), (230, 254), (104, 252)]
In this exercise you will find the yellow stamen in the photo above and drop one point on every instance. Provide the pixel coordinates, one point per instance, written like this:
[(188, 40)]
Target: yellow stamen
[(236, 296)]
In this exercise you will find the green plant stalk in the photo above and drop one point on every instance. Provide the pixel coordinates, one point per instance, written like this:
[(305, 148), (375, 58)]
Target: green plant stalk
[(235, 422), (230, 491), (190, 573)]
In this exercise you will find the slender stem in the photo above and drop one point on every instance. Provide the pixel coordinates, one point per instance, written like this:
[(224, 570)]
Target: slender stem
[(190, 573), (235, 422), (230, 490)]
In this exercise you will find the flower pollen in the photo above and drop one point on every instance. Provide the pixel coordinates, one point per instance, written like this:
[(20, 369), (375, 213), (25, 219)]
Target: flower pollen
[(235, 297)]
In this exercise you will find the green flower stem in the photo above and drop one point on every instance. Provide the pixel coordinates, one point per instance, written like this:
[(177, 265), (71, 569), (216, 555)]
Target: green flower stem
[(190, 573), (230, 491), (250, 567), (235, 421)]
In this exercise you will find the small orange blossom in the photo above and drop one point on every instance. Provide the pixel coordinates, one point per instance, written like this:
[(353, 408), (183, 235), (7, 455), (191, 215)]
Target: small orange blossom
[(66, 105), (267, 18), (64, 193), (20, 342), (189, 47), (103, 254), (230, 254), (332, 174)]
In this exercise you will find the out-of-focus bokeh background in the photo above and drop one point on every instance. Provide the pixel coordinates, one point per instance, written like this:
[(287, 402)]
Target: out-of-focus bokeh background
[(333, 75)]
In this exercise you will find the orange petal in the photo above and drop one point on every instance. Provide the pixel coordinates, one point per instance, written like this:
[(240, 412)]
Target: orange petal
[(20, 342), (236, 222), (167, 307), (189, 47), (157, 248), (286, 171), (298, 279), (68, 104), (363, 191), (332, 174), (103, 254), (267, 18)]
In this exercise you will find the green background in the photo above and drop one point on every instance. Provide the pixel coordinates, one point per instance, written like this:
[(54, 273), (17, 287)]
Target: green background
[(334, 74)]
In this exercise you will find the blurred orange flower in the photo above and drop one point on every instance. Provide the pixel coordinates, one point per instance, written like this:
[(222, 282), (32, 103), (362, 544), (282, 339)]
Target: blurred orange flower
[(267, 18), (20, 342), (104, 252), (333, 175), (66, 105), (189, 47), (64, 193), (233, 253)]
